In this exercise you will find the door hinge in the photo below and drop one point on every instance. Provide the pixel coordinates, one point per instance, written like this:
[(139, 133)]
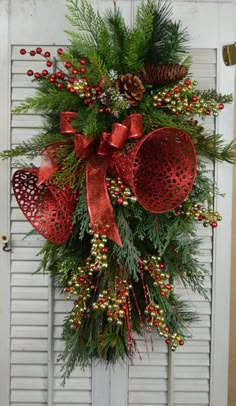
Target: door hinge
[(229, 54)]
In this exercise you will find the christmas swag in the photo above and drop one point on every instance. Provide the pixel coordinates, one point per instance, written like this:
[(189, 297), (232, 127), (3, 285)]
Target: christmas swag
[(121, 186)]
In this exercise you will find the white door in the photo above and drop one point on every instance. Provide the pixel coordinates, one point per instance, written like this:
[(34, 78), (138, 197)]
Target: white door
[(31, 313)]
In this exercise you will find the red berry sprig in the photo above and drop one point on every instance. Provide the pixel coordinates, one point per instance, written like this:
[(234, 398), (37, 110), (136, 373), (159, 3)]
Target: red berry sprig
[(156, 268), (45, 55), (120, 192), (80, 285), (155, 318), (99, 252), (71, 80), (115, 303), (155, 315), (199, 213), (182, 100)]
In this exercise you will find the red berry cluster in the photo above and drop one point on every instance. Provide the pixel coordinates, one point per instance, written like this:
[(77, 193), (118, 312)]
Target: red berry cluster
[(115, 303), (120, 192), (199, 213), (156, 268), (155, 317), (45, 55), (79, 285), (182, 100), (98, 253), (72, 80)]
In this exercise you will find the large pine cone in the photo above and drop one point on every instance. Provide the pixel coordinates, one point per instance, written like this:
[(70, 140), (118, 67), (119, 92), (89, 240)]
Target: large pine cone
[(131, 86), (163, 74)]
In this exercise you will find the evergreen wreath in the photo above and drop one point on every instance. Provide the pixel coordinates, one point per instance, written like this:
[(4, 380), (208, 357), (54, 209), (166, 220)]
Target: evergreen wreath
[(121, 187)]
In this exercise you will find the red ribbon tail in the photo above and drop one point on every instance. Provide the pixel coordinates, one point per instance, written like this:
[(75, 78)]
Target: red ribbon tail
[(100, 209)]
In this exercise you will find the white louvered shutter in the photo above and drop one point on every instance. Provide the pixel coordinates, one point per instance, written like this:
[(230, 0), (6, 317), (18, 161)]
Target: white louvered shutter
[(190, 377)]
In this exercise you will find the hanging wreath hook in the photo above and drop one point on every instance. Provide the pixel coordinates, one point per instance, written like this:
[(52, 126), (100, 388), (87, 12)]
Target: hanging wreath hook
[(4, 240)]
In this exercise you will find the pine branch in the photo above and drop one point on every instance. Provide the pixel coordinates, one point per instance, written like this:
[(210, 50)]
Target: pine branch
[(214, 147), (84, 18), (119, 35), (33, 147), (168, 43), (98, 66), (54, 100), (176, 45), (140, 37), (213, 95)]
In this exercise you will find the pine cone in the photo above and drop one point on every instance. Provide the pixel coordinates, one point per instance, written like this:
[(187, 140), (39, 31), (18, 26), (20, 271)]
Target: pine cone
[(163, 74), (131, 86)]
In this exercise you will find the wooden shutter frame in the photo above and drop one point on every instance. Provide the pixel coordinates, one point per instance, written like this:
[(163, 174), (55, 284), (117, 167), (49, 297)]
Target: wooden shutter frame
[(225, 15)]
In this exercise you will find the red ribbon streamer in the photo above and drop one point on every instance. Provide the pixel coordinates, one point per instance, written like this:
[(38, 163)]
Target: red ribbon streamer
[(99, 206), (100, 209)]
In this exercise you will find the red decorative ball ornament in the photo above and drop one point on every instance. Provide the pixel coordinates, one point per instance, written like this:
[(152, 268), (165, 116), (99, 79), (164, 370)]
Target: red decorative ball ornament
[(22, 51), (49, 63), (160, 169), (30, 72), (45, 72), (52, 78), (82, 61), (60, 75), (68, 65), (47, 54), (47, 208), (39, 50), (32, 53), (37, 75), (187, 82), (59, 51), (71, 80)]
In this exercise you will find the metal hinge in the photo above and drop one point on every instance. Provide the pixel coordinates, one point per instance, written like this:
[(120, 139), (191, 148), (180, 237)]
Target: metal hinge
[(229, 54)]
